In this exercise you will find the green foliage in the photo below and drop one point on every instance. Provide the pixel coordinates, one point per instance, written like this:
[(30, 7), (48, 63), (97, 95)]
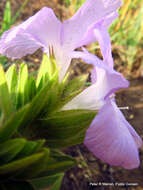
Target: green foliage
[(74, 4), (5, 101), (30, 110), (18, 12), (11, 126), (22, 90), (57, 126), (12, 79), (10, 148), (49, 181), (8, 21), (127, 31), (19, 164), (7, 17), (58, 162), (67, 2), (46, 70), (74, 85)]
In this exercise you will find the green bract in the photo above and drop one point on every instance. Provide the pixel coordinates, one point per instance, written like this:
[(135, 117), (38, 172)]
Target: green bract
[(33, 127)]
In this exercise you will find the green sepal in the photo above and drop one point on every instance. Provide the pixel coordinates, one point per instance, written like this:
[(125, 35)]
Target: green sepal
[(42, 71), (12, 78), (46, 71), (17, 165), (58, 163), (5, 100), (31, 85), (74, 85), (53, 96), (64, 100), (57, 184), (36, 168), (58, 144), (22, 94), (67, 90), (37, 105), (31, 147), (11, 126), (62, 127), (10, 148), (53, 182)]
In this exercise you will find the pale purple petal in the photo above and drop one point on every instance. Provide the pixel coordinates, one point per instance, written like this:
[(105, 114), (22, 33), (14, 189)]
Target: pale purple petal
[(87, 99), (63, 60), (100, 34), (76, 29), (19, 46), (112, 77), (109, 138), (119, 81), (90, 37), (97, 33), (90, 59), (110, 81), (107, 81), (136, 137), (92, 11), (103, 38), (42, 29)]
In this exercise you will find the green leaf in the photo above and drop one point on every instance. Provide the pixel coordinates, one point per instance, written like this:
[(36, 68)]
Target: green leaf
[(57, 184), (17, 14), (53, 97), (64, 100), (10, 148), (22, 94), (30, 148), (11, 76), (37, 167), (10, 127), (60, 128), (67, 2), (5, 100), (31, 85), (21, 163), (3, 60), (46, 71), (37, 105), (54, 181), (70, 89), (58, 163), (43, 70), (62, 143), (7, 17), (75, 85)]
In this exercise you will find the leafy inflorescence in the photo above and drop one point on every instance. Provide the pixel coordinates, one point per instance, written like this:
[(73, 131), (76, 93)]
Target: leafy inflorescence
[(33, 124)]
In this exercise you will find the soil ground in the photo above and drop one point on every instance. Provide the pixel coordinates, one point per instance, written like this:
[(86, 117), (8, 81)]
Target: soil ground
[(92, 170)]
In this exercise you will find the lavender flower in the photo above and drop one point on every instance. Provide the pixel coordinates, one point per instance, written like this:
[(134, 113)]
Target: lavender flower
[(45, 30), (110, 137)]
